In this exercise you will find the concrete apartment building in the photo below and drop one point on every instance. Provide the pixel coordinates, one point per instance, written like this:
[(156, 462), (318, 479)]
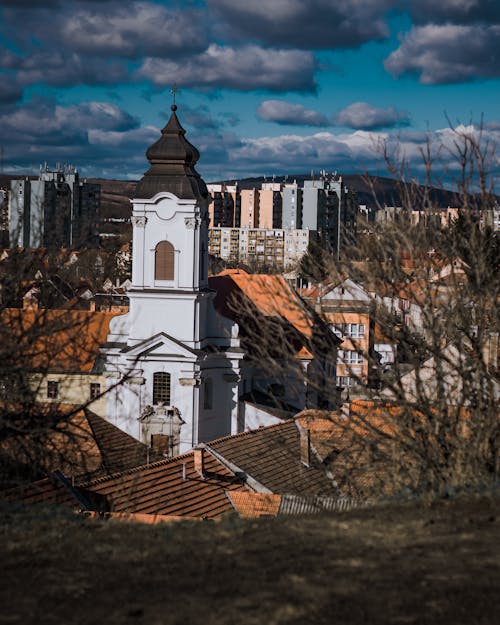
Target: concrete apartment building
[(57, 210), (270, 205), (224, 206), (272, 247), (249, 208), (324, 207), (331, 209), (292, 206)]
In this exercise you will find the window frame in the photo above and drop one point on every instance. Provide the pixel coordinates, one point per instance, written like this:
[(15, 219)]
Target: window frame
[(94, 390), (160, 394), (164, 262), (52, 389)]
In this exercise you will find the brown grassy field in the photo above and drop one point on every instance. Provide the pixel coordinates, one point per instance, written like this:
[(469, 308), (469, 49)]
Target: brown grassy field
[(386, 564)]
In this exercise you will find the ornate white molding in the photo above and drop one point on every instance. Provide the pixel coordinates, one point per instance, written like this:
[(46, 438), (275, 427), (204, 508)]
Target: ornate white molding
[(189, 382), (139, 220), (136, 380), (192, 222)]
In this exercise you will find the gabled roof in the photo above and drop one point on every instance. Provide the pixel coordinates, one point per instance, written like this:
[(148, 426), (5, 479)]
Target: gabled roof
[(269, 293), (170, 487), (78, 442), (156, 345), (272, 456), (347, 290), (118, 450)]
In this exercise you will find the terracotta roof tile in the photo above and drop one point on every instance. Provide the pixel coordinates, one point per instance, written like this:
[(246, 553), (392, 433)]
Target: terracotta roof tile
[(271, 295), (81, 445), (55, 340), (271, 455), (170, 487), (255, 504)]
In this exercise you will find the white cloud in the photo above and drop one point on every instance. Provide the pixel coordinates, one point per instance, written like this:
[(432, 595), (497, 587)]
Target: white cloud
[(448, 53), (286, 113), (364, 116), (245, 68)]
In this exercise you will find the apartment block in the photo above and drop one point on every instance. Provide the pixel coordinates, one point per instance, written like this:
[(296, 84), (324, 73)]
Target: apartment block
[(57, 210), (292, 206), (272, 247), (224, 205), (270, 205), (331, 209), (249, 208)]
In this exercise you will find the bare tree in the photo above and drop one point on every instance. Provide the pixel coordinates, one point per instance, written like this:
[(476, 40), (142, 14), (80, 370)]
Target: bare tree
[(49, 373), (429, 420)]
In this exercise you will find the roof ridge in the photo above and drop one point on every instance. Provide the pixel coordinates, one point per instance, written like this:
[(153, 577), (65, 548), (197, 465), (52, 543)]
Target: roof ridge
[(137, 469), (246, 432)]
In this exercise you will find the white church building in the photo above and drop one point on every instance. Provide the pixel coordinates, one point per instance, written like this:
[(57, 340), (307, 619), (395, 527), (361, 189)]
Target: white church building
[(172, 362)]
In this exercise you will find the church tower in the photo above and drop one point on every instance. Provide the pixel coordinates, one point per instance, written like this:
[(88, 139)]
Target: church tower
[(172, 361)]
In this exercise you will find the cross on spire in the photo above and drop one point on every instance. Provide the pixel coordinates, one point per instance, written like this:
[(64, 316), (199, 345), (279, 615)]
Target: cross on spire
[(174, 91)]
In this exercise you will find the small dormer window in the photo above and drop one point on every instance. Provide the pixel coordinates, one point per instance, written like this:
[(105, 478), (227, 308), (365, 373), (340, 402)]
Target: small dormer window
[(164, 261)]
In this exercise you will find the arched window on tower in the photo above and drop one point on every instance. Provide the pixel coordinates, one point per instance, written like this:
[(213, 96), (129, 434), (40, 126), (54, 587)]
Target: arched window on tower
[(164, 261), (161, 388)]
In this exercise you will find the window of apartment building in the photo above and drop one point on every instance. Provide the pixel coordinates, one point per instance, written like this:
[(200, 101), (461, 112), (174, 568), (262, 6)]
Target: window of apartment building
[(164, 261), (349, 357), (344, 381), (161, 388), (95, 390), (52, 389), (350, 330)]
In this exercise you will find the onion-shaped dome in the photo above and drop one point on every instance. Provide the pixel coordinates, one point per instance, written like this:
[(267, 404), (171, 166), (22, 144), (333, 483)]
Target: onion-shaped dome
[(172, 160)]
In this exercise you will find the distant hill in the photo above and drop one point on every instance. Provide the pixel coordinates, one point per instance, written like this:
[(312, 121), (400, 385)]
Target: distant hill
[(370, 189)]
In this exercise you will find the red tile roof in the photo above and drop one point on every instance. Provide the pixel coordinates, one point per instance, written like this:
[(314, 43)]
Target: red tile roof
[(54, 340), (78, 443), (170, 487), (255, 504), (269, 293), (271, 455)]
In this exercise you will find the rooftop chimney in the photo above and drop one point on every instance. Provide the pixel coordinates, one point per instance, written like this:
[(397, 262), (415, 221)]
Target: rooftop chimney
[(305, 446), (199, 461)]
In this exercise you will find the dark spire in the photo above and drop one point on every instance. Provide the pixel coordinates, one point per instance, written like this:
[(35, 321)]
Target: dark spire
[(172, 160)]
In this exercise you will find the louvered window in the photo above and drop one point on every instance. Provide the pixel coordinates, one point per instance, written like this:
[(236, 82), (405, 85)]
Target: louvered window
[(164, 261), (161, 388)]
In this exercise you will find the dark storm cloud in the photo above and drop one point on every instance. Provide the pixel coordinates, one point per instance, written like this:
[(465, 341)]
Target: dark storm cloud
[(133, 30), (243, 68), (313, 24), (367, 117), (129, 30), (199, 117), (454, 11), (288, 114), (448, 53), (98, 136), (43, 122), (57, 68), (10, 90)]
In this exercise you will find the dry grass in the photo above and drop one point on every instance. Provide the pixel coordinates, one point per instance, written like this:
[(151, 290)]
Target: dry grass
[(386, 564)]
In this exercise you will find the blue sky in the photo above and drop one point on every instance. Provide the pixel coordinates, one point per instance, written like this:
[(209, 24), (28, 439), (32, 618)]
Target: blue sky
[(275, 87)]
